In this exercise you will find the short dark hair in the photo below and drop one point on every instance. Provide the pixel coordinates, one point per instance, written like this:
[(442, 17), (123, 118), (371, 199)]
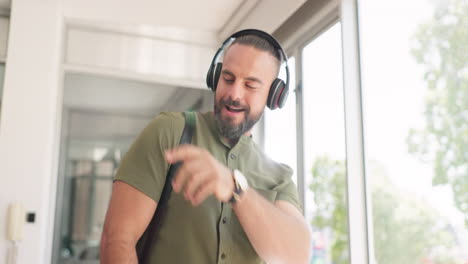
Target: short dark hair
[(258, 43)]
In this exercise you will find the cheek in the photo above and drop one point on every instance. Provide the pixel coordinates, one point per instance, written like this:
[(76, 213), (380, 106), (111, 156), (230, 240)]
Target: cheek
[(262, 97), (218, 95), (257, 102), (220, 91)]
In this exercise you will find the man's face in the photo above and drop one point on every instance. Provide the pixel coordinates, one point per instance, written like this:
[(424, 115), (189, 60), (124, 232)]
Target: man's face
[(242, 89)]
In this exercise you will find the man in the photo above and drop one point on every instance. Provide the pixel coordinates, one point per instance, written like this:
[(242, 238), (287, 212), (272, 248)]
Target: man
[(203, 224)]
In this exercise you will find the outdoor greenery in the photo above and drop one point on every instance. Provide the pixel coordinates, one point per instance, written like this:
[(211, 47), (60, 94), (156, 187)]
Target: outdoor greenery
[(406, 229), (441, 47)]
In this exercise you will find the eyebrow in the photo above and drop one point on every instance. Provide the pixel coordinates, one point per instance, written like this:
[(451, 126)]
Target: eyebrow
[(250, 78)]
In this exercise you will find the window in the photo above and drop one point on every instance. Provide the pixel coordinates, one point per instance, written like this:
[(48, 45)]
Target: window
[(280, 127), (324, 147), (325, 205), (415, 101)]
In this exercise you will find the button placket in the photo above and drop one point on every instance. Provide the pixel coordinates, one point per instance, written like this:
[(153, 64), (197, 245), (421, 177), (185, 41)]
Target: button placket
[(224, 240), (232, 160), (225, 243), (232, 156)]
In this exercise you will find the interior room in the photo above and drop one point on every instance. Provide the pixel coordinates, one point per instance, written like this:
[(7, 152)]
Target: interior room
[(374, 129)]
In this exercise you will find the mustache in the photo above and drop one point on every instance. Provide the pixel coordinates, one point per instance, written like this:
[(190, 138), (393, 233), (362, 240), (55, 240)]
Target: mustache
[(236, 103)]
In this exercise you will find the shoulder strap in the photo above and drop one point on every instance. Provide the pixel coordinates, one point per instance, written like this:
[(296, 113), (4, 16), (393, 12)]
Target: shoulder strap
[(151, 233)]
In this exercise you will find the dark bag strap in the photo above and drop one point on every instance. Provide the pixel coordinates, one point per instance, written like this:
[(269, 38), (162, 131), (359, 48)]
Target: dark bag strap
[(151, 232)]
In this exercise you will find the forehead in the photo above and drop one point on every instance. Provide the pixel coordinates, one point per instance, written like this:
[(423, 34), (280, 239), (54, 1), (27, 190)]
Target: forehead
[(246, 61)]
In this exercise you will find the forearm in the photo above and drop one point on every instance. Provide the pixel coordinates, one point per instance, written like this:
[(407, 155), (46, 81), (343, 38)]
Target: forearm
[(276, 236), (115, 251)]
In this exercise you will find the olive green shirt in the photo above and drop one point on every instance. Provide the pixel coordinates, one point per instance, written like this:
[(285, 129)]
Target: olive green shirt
[(210, 232)]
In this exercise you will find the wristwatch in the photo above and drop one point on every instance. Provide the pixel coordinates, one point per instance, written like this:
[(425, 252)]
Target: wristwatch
[(240, 186)]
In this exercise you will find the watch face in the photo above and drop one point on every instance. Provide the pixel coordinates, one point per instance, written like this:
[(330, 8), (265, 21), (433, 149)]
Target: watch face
[(241, 180)]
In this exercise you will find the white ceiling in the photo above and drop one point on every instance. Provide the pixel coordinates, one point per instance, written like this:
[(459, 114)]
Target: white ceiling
[(205, 15), (103, 108), (124, 96), (106, 94), (200, 17)]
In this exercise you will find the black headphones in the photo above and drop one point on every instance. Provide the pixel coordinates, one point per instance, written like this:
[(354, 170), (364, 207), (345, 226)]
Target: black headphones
[(279, 89)]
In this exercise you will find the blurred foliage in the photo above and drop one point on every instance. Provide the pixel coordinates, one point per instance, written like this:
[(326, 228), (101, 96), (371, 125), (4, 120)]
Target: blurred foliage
[(328, 186), (406, 230), (441, 47)]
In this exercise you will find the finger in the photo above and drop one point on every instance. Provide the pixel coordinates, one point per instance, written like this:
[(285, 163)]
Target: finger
[(185, 172), (180, 178), (182, 153), (203, 192), (194, 183)]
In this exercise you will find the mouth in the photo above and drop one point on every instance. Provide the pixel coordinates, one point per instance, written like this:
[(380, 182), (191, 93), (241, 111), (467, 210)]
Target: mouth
[(234, 110)]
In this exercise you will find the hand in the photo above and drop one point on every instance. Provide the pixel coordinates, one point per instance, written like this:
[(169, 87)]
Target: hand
[(200, 175)]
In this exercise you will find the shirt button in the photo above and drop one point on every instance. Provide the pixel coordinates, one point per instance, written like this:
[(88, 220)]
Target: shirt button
[(233, 156), (224, 220), (223, 256)]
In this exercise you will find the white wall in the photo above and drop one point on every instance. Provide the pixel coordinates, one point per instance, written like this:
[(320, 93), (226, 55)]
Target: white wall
[(30, 118)]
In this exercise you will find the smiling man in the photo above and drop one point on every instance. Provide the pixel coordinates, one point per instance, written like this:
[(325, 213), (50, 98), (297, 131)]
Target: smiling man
[(247, 74), (231, 203)]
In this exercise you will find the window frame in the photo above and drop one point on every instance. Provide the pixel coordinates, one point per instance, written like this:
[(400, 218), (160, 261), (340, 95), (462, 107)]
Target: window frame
[(358, 194)]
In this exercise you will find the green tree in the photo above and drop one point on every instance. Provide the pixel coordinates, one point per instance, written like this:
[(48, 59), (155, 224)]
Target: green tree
[(406, 230), (328, 187), (441, 46)]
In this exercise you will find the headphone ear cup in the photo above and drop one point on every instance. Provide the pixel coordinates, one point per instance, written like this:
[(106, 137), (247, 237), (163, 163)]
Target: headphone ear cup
[(274, 95), (216, 75), (283, 97), (209, 77)]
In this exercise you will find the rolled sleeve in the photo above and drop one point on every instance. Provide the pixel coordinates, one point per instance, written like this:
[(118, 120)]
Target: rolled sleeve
[(144, 166), (287, 189), (289, 194)]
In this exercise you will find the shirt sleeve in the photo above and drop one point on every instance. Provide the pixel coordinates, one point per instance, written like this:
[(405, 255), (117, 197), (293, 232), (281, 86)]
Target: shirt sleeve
[(287, 189), (144, 166)]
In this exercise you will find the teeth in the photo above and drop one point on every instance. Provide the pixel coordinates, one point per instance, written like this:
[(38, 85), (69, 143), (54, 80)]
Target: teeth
[(234, 109)]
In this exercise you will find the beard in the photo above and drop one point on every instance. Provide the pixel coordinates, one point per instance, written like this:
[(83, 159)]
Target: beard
[(225, 125)]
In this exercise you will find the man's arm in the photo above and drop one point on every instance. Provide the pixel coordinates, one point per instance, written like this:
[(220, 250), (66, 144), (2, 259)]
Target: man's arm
[(129, 213), (278, 232)]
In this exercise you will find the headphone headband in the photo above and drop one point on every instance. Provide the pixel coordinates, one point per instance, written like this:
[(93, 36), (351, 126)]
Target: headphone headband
[(258, 33)]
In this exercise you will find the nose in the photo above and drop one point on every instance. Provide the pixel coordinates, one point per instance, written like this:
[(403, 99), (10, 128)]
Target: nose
[(236, 91)]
